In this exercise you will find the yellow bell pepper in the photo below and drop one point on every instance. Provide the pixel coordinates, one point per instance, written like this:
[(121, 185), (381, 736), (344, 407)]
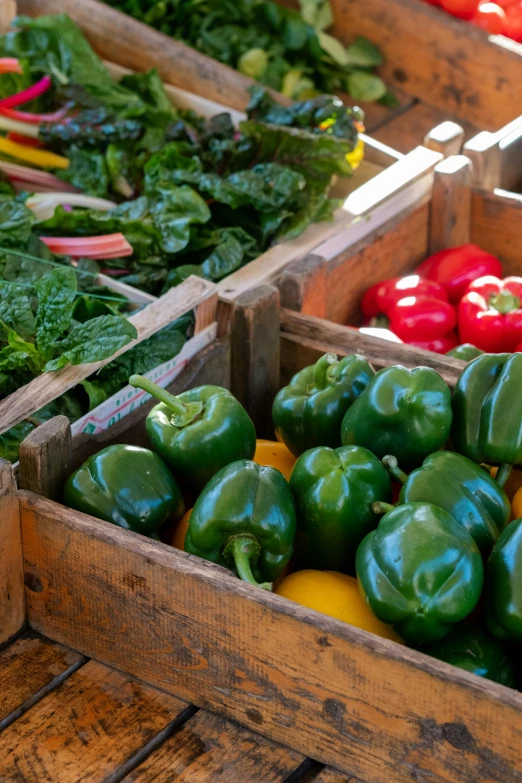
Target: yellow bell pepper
[(336, 595), (42, 158), (516, 505), (273, 454)]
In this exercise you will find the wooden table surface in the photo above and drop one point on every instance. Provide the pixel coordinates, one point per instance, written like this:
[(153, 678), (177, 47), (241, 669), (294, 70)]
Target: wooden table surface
[(65, 718)]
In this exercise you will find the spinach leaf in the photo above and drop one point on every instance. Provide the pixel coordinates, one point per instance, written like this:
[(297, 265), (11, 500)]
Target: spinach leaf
[(173, 211), (15, 309), (56, 293), (16, 222), (93, 341)]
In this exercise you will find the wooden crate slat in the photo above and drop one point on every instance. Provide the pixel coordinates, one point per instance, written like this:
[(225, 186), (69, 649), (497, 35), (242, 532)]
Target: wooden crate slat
[(329, 775), (12, 599), (86, 728), (29, 664), (209, 749), (496, 218), (291, 674), (380, 353), (440, 59), (409, 128)]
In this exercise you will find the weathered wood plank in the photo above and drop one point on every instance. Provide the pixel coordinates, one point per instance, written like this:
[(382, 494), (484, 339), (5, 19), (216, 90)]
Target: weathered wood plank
[(255, 354), (329, 775), (393, 250), (46, 457), (409, 128), (29, 664), (313, 683), (433, 56), (483, 150), (12, 599), (209, 749), (85, 729), (319, 334), (451, 204), (496, 218), (446, 138)]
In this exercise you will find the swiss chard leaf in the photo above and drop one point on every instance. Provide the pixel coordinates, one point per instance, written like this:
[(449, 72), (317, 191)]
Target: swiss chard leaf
[(93, 341), (173, 211), (87, 171), (56, 294), (16, 222)]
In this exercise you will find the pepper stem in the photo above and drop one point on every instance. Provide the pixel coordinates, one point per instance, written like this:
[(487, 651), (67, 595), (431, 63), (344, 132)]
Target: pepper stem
[(242, 550), (504, 302), (381, 508), (392, 466), (184, 412), (503, 473), (321, 369)]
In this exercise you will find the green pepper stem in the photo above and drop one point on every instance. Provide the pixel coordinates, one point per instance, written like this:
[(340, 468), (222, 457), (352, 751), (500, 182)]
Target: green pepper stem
[(504, 302), (242, 550), (321, 369), (184, 413), (381, 508), (503, 473), (392, 466)]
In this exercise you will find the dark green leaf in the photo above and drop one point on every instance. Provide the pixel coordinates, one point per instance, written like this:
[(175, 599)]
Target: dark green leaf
[(87, 171), (16, 222), (95, 393), (93, 341), (56, 293), (363, 53), (15, 309)]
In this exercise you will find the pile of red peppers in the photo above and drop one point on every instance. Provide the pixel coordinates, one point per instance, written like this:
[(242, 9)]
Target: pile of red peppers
[(455, 297)]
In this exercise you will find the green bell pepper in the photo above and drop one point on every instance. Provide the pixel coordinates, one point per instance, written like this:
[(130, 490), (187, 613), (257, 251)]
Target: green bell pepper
[(487, 412), (466, 352), (420, 571), (245, 519), (402, 412), (333, 492), (309, 411), (471, 649), (127, 485), (503, 591), (198, 432), (455, 483)]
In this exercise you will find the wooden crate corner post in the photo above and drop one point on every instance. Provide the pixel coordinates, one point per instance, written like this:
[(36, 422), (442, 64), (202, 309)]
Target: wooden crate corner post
[(302, 285), (446, 138), (12, 598), (450, 213), (46, 458), (255, 352)]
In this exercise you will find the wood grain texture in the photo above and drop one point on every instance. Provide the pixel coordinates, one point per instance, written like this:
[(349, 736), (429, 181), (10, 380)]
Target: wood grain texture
[(451, 204), (496, 218), (46, 387), (300, 678), (511, 159), (209, 749), (325, 336), (46, 458), (255, 354), (409, 128), (210, 365), (12, 600), (483, 150), (85, 729), (438, 58), (394, 249), (329, 775), (141, 48), (27, 665), (302, 286)]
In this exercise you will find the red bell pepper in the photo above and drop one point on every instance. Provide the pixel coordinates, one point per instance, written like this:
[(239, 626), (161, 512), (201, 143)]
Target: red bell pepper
[(490, 314), (382, 297), (457, 267), (422, 318), (439, 344)]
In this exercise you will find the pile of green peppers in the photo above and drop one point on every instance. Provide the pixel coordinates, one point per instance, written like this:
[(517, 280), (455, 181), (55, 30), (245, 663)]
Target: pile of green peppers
[(392, 485)]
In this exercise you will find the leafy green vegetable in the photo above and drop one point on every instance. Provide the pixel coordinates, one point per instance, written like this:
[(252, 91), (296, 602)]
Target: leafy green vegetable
[(93, 341), (283, 48), (56, 294)]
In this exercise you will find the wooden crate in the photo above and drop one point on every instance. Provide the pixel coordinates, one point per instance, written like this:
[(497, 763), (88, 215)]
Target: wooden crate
[(330, 285), (371, 708), (446, 63), (386, 183)]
